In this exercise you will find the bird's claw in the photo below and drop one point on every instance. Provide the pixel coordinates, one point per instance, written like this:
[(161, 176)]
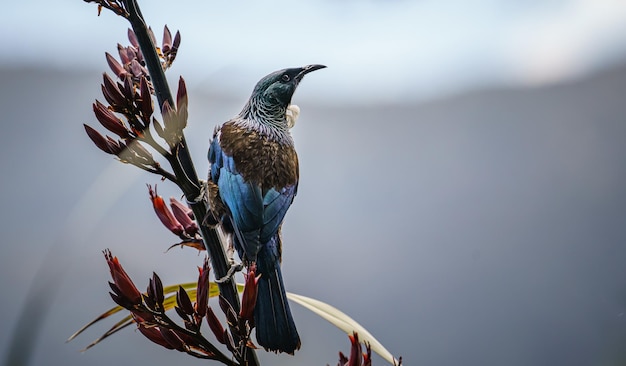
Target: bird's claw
[(234, 268), (202, 195)]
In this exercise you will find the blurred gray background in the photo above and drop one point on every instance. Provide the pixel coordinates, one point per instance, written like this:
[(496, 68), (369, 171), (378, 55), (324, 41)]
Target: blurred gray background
[(463, 167)]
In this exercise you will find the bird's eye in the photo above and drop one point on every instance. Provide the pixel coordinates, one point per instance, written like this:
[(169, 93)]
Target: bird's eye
[(285, 78)]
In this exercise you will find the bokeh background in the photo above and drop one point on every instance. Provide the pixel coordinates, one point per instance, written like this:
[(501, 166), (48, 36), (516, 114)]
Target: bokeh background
[(463, 167)]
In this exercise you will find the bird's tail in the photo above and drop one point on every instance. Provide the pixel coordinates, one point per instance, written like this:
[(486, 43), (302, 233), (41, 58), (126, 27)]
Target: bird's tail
[(275, 328)]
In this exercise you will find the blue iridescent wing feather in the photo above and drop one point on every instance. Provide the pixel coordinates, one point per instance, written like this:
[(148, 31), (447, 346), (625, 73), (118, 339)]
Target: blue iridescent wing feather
[(250, 208), (276, 203)]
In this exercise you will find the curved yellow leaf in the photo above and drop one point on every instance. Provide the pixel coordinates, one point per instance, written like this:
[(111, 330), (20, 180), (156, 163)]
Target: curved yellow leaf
[(343, 322)]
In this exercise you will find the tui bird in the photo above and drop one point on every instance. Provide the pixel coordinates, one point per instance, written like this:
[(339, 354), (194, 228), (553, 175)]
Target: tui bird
[(253, 180)]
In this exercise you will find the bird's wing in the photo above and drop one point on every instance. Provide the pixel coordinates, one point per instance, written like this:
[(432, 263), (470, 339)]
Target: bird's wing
[(256, 213), (243, 199), (275, 203)]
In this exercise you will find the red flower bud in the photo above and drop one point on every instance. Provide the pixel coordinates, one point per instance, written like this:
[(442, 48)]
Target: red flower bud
[(183, 301), (173, 339), (100, 141), (355, 351), (133, 38), (367, 356), (343, 360), (115, 66), (176, 41), (250, 290), (151, 332), (121, 280), (146, 101), (182, 214), (137, 70), (112, 93), (167, 40), (216, 326), (227, 308), (109, 120), (202, 291), (182, 103), (127, 54), (164, 214)]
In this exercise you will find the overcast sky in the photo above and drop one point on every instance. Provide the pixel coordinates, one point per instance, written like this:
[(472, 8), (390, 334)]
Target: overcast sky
[(375, 50), (494, 221)]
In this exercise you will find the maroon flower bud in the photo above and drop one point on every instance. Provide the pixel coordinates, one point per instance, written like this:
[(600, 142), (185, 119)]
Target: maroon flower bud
[(355, 351), (186, 318), (109, 120), (230, 342), (173, 339), (183, 301), (167, 40), (231, 316), (202, 291), (127, 54), (182, 103), (133, 38), (137, 70), (164, 214), (153, 334), (100, 141), (113, 94), (182, 214), (367, 356), (121, 280), (155, 291), (146, 101), (250, 290), (176, 43), (343, 360), (116, 147), (216, 326), (128, 90), (120, 299), (115, 66), (190, 341)]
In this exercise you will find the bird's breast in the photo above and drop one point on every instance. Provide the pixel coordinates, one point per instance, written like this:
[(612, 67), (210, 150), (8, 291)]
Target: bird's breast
[(271, 163)]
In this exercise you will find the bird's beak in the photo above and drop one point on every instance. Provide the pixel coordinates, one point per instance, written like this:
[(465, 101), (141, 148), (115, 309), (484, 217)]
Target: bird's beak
[(307, 69)]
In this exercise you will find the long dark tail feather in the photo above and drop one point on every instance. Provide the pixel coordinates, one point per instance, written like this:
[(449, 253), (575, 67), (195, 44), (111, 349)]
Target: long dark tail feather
[(275, 328)]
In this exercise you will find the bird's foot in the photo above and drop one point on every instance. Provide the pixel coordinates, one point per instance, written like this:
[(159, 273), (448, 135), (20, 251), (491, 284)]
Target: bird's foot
[(202, 195), (234, 268)]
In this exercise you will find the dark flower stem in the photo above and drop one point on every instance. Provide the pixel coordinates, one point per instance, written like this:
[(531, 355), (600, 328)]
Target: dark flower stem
[(182, 165), (148, 139), (164, 321), (159, 171)]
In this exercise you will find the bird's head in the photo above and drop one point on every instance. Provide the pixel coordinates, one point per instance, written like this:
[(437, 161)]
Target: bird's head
[(278, 87)]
